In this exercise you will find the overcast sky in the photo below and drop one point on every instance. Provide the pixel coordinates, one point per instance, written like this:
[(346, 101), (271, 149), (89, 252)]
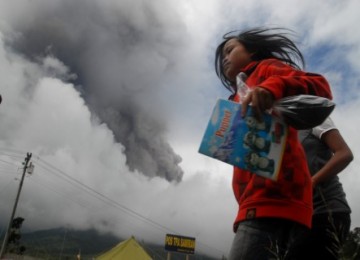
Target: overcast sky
[(112, 98)]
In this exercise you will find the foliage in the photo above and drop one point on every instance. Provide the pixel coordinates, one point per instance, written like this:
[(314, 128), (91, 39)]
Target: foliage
[(66, 244), (351, 248), (55, 244)]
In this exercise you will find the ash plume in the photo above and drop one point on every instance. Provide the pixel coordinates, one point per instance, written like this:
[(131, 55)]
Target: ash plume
[(120, 52)]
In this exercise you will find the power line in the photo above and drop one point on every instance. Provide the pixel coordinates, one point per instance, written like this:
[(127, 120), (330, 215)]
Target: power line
[(63, 194), (90, 191), (2, 189), (11, 150), (94, 193), (106, 199), (8, 171), (11, 155), (10, 163)]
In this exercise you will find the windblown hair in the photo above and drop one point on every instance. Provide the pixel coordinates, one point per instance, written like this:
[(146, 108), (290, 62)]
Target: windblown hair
[(265, 43)]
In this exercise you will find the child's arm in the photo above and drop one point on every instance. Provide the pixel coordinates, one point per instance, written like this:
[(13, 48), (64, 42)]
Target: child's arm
[(281, 80), (342, 156)]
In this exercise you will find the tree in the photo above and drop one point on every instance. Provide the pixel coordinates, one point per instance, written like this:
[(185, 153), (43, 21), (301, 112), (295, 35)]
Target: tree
[(15, 236), (351, 248)]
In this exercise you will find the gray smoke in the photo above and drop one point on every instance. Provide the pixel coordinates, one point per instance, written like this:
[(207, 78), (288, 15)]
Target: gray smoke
[(120, 52)]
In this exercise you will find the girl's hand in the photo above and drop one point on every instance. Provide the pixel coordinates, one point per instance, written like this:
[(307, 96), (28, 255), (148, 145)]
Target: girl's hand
[(314, 181), (261, 99)]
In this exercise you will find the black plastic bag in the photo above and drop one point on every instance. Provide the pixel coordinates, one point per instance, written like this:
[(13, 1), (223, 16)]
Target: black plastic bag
[(303, 111), (300, 111)]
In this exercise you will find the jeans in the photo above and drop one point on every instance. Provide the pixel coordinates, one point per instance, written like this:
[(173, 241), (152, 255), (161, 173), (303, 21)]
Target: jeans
[(326, 237), (267, 238)]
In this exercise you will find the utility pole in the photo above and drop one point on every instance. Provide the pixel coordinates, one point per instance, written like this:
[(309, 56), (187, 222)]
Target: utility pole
[(29, 168)]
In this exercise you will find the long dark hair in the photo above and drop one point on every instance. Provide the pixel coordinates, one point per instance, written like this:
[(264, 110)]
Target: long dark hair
[(265, 43)]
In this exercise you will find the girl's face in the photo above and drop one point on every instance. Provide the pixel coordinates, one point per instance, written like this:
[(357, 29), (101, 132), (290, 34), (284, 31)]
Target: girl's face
[(235, 57)]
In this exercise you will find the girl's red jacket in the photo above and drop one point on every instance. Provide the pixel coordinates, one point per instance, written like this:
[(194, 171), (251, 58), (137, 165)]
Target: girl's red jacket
[(290, 197)]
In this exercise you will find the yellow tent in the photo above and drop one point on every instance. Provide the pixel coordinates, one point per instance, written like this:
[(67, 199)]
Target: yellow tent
[(126, 250)]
